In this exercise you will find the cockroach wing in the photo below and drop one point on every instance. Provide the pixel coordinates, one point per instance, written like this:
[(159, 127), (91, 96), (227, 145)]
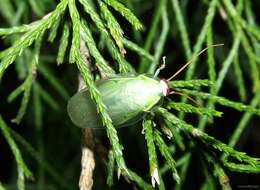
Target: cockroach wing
[(130, 98), (83, 111)]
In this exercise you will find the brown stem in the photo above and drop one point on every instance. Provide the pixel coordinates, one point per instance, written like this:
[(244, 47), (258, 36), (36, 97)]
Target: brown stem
[(87, 160), (87, 150)]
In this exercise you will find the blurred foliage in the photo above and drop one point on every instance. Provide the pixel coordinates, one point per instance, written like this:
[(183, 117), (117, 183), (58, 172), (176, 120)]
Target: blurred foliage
[(46, 44)]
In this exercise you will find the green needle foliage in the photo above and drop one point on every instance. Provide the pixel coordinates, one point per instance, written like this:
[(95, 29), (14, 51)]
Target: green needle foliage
[(149, 136), (22, 169), (46, 46)]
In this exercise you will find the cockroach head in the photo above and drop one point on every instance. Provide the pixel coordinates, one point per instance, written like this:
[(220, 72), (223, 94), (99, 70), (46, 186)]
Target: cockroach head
[(165, 85)]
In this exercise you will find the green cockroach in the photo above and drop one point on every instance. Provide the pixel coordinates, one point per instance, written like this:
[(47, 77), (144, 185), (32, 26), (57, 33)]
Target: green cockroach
[(128, 99)]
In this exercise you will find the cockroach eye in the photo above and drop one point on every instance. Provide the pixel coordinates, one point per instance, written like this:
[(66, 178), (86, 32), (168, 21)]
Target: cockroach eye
[(166, 89)]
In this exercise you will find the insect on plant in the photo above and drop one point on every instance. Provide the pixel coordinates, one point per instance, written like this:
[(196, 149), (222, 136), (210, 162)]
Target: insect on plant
[(128, 98)]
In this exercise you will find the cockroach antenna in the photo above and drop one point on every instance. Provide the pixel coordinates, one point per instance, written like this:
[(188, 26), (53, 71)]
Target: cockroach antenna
[(192, 59), (187, 96)]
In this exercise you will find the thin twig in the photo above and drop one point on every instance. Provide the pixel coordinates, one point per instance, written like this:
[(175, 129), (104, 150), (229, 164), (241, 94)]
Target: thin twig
[(87, 160), (87, 150)]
